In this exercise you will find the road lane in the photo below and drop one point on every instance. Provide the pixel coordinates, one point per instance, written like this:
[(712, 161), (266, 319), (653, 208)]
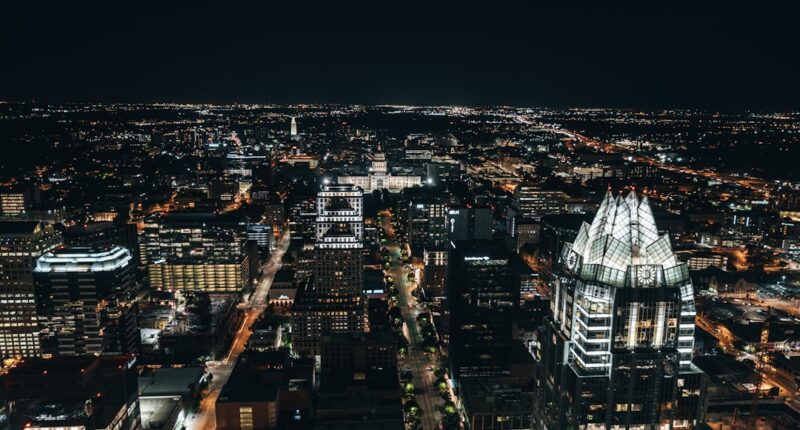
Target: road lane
[(205, 417), (427, 394)]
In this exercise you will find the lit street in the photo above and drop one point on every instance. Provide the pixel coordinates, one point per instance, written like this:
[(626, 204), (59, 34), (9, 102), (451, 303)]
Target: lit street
[(204, 418), (421, 364)]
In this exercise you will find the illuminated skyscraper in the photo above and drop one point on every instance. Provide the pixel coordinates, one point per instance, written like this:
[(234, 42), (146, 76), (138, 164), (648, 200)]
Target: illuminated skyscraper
[(21, 243), (333, 301), (85, 297), (616, 352), (427, 224), (339, 268), (293, 128)]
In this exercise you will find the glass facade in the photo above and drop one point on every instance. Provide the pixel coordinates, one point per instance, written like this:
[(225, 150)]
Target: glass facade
[(621, 334)]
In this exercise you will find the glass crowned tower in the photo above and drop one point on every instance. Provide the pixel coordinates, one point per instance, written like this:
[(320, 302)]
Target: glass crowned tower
[(616, 352)]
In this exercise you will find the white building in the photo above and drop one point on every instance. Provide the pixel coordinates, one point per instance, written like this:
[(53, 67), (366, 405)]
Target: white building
[(379, 178)]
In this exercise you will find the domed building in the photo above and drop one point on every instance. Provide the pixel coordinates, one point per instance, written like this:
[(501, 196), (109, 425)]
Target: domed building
[(378, 177)]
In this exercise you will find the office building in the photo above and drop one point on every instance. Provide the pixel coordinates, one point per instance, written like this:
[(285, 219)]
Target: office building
[(526, 231), (16, 202), (302, 221), (483, 292), (105, 235), (343, 355), (196, 251), (21, 243), (531, 201), (427, 224), (616, 352), (470, 223), (333, 300), (490, 404), (262, 235), (434, 272), (85, 297)]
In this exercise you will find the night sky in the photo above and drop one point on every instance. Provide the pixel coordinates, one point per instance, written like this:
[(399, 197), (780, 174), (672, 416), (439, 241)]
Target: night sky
[(713, 56)]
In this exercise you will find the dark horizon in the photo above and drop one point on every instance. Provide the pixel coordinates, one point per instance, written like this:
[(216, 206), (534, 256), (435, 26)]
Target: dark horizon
[(505, 53)]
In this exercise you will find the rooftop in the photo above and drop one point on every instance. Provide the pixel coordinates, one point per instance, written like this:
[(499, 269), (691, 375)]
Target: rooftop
[(18, 227), (169, 381), (623, 233)]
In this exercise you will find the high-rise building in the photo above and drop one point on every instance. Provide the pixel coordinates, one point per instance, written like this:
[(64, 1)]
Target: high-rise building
[(266, 390), (85, 297), (21, 243), (339, 240), (434, 273), (470, 223), (302, 221), (104, 235), (293, 127), (333, 301), (16, 202), (483, 292), (197, 251), (530, 201), (427, 224), (616, 352), (262, 235)]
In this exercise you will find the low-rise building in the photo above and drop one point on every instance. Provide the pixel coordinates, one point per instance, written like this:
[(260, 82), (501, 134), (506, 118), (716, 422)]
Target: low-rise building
[(267, 390)]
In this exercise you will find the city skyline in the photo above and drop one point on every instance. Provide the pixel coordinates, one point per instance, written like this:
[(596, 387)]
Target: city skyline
[(416, 215)]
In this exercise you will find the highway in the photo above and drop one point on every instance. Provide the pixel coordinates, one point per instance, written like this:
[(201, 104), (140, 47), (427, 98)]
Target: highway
[(422, 365), (757, 185), (205, 417)]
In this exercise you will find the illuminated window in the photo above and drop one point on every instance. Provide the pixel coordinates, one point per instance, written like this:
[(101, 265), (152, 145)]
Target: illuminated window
[(246, 417)]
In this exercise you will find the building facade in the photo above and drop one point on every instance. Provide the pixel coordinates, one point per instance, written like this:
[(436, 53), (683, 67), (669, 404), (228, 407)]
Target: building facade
[(17, 202), (333, 300), (530, 201), (427, 224), (196, 251), (470, 223), (616, 352), (21, 243), (85, 297), (483, 293)]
